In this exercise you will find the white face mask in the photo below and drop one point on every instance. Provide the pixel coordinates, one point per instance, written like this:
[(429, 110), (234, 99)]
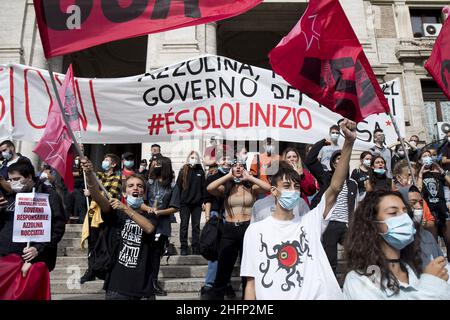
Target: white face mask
[(366, 163), (418, 215), (17, 186), (44, 176), (193, 161), (77, 162), (334, 137)]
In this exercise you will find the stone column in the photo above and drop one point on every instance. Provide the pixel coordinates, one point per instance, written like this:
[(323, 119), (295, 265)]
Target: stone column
[(403, 20), (412, 95)]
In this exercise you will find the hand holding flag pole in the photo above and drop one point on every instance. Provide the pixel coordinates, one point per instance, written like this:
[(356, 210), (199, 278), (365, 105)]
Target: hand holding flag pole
[(69, 129)]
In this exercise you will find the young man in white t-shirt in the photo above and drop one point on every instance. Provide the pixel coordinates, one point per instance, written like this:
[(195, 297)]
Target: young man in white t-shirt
[(283, 257)]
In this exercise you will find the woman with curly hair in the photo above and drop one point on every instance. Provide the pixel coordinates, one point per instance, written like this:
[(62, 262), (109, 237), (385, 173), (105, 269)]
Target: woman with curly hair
[(382, 251)]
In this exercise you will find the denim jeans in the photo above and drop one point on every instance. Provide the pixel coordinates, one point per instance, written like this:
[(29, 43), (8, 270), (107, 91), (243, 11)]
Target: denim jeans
[(212, 265)]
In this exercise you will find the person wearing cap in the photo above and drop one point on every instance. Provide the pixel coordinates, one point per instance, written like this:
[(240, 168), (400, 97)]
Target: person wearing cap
[(239, 189)]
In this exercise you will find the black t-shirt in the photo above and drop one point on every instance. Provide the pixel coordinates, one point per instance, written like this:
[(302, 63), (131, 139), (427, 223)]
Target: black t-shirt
[(132, 273), (446, 153), (360, 177), (168, 197), (216, 202), (433, 188)]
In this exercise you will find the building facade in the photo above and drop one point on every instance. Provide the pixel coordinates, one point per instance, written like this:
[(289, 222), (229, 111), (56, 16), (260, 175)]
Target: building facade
[(397, 36)]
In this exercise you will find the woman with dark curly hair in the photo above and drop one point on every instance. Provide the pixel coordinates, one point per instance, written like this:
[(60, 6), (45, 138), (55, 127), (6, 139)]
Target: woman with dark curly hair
[(382, 251)]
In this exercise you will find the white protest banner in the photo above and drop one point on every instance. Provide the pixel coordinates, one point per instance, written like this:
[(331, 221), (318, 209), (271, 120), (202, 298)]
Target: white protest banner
[(32, 218), (204, 96)]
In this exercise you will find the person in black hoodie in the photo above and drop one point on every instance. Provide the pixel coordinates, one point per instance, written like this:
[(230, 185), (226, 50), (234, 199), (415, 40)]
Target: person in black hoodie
[(346, 201), (163, 199), (192, 185), (22, 179)]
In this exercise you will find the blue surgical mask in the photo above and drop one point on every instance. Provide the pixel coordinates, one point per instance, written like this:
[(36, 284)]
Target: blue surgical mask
[(400, 231), (135, 202), (269, 149), (7, 155), (223, 170), (128, 163), (428, 161), (379, 171), (366, 163), (289, 199), (106, 165)]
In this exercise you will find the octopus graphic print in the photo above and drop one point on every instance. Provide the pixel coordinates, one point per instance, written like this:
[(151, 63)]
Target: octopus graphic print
[(289, 255)]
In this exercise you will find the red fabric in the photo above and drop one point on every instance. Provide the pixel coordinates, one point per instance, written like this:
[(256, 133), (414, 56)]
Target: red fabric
[(322, 57), (69, 101), (13, 286), (55, 143), (105, 21), (438, 65)]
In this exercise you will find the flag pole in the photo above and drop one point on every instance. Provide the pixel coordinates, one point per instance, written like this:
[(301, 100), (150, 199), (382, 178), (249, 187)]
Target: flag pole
[(394, 122), (84, 175), (69, 129)]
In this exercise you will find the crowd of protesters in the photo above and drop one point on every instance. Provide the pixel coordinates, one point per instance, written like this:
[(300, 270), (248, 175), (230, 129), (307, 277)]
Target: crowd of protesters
[(283, 216)]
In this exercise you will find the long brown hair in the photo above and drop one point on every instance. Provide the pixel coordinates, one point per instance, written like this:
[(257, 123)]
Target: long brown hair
[(363, 244), (299, 163), (186, 167)]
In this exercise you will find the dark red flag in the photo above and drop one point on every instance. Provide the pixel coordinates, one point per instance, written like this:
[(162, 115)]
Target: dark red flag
[(438, 65), (68, 26), (322, 57), (13, 286), (54, 148)]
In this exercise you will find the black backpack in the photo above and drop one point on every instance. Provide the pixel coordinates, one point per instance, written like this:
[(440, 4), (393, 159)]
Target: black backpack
[(104, 255), (210, 239)]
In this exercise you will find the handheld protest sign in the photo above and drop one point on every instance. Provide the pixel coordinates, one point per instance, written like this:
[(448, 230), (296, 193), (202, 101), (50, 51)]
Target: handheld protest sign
[(32, 218)]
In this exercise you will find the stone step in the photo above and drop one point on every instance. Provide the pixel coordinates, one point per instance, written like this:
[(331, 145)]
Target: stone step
[(173, 260), (165, 272), (180, 285), (101, 296)]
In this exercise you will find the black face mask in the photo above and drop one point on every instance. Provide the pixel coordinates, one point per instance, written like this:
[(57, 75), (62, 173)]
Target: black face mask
[(157, 171)]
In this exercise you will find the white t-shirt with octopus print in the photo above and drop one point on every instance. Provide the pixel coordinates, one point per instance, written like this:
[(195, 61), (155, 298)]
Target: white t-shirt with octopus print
[(287, 259)]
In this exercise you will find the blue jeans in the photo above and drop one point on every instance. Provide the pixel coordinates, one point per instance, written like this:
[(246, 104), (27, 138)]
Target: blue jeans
[(212, 265)]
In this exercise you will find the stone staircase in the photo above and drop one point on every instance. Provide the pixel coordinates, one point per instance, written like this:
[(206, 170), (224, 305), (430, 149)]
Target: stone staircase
[(181, 276)]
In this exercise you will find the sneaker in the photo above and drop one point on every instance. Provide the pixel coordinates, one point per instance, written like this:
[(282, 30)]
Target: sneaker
[(229, 292), (204, 292), (158, 290), (184, 252), (195, 251), (88, 276)]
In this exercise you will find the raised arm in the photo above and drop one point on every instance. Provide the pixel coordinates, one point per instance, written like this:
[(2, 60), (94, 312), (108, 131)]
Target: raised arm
[(93, 186), (258, 185), (217, 188), (340, 174), (313, 164)]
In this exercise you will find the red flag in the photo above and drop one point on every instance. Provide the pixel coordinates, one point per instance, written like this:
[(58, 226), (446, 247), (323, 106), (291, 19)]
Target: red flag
[(13, 286), (438, 65), (69, 101), (323, 58), (55, 143), (68, 26)]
